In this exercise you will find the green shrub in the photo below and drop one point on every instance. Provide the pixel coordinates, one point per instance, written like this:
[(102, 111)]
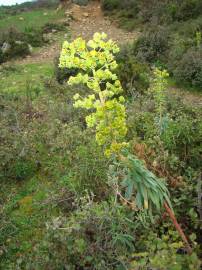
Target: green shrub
[(189, 68), (16, 50), (163, 252), (34, 37), (96, 236), (49, 27), (81, 2), (1, 57), (110, 5), (188, 9), (17, 46), (152, 45), (134, 75), (182, 138)]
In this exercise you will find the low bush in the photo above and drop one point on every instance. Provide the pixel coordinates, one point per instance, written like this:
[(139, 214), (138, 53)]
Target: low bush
[(134, 75), (126, 6), (152, 45), (13, 45), (160, 12), (49, 27), (34, 37), (189, 68), (96, 236)]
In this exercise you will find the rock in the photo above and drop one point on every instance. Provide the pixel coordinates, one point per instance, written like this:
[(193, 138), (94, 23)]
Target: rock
[(5, 47), (21, 19), (19, 42), (54, 30), (30, 48), (48, 37), (68, 13), (45, 14), (85, 14), (108, 23)]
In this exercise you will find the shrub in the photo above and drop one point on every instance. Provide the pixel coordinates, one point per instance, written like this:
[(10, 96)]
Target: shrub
[(110, 5), (1, 57), (182, 138), (33, 37), (49, 27), (161, 252), (17, 45), (93, 237), (188, 9), (189, 68), (132, 74), (16, 50), (81, 2), (152, 45)]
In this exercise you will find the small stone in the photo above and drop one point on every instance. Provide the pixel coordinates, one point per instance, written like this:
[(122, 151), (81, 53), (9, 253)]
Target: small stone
[(30, 48), (85, 14), (5, 47), (19, 42)]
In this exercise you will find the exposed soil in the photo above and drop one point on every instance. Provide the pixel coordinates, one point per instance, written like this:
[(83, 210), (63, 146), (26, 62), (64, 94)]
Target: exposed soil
[(86, 20), (90, 19)]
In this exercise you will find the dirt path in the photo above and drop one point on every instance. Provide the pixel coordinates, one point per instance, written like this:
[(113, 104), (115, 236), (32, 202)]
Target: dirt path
[(86, 20), (90, 19)]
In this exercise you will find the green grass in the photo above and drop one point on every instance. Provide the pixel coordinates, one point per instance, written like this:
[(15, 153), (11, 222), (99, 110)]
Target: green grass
[(24, 216), (36, 18), (14, 79)]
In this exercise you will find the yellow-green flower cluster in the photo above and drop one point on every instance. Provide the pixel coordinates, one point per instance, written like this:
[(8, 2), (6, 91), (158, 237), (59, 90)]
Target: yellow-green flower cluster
[(97, 64), (158, 88)]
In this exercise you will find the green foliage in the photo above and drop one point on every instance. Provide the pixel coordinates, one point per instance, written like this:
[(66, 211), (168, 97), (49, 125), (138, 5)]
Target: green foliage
[(17, 46), (182, 138), (163, 252), (96, 236), (158, 88), (189, 68), (49, 27), (134, 75), (152, 45), (33, 36), (140, 185), (96, 61), (158, 11)]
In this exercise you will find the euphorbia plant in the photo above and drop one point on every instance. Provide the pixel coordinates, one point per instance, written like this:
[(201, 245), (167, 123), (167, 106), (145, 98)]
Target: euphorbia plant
[(97, 64)]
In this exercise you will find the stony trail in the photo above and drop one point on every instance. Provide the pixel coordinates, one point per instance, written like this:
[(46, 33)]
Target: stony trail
[(86, 20)]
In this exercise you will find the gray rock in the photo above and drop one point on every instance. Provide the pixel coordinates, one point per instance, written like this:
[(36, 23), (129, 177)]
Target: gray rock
[(30, 48), (19, 42), (5, 47)]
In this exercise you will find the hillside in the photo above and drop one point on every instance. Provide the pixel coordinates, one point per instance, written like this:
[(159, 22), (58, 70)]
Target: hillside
[(87, 167)]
